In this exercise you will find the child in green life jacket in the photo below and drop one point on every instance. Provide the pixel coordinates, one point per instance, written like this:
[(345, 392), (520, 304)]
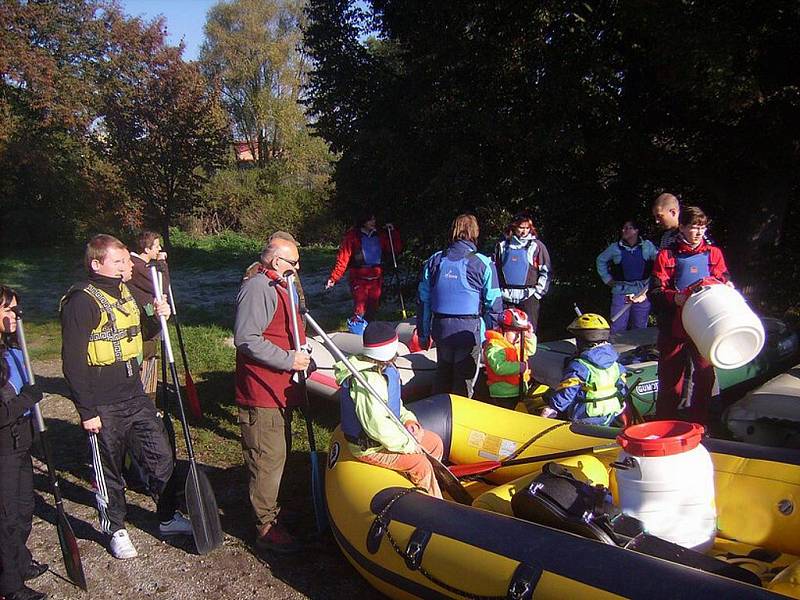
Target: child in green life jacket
[(507, 373), (373, 437), (593, 387)]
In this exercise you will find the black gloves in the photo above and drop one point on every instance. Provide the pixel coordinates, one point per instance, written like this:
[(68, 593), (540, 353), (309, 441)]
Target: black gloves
[(30, 395)]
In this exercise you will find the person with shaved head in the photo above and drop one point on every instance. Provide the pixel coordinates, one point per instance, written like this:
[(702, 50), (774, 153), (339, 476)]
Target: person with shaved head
[(666, 211), (265, 393)]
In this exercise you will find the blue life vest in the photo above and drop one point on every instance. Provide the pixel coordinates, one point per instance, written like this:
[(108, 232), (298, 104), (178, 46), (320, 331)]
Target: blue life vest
[(516, 266), (356, 324), (689, 268), (371, 249), (632, 266), (17, 376), (451, 293), (351, 426)]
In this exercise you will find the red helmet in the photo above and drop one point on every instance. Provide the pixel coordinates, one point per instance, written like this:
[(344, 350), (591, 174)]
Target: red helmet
[(514, 319)]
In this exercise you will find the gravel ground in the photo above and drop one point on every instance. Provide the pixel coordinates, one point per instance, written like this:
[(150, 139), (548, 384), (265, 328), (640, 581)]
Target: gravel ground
[(169, 568)]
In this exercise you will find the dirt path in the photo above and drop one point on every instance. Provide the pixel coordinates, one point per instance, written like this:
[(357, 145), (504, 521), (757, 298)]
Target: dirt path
[(168, 569)]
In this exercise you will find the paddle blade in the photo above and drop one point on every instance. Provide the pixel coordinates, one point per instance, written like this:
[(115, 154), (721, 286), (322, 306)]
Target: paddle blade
[(478, 468), (318, 491), (449, 483), (203, 512), (69, 549), (192, 399)]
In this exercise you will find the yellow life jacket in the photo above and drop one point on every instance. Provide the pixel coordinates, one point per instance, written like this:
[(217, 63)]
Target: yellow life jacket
[(602, 395), (117, 338)]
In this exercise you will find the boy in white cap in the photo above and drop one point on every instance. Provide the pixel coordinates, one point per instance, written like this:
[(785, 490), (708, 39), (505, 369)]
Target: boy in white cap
[(372, 437)]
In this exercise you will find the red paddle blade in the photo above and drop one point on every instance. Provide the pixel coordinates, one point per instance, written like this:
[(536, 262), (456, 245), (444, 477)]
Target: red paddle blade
[(192, 399), (475, 468)]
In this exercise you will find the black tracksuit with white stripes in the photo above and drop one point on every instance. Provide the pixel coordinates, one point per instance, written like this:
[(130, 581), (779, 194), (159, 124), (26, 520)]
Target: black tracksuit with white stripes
[(129, 420)]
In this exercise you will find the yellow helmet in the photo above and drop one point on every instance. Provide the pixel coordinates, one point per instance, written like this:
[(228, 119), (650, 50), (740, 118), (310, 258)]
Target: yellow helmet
[(590, 327)]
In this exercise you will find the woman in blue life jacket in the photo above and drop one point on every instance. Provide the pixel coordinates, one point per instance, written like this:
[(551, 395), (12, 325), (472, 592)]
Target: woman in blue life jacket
[(372, 436), (593, 387), (16, 469), (523, 266), (459, 299), (625, 267)]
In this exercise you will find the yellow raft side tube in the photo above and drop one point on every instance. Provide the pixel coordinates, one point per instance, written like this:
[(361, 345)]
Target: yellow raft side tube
[(409, 545)]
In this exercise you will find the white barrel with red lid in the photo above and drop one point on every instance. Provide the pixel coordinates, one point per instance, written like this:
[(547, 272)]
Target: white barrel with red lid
[(722, 326), (665, 478)]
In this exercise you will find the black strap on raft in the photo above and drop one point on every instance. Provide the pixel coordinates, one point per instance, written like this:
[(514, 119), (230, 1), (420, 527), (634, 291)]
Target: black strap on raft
[(416, 548), (522, 583)]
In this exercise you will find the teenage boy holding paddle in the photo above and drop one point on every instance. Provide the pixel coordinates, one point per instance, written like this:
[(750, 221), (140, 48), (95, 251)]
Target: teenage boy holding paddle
[(101, 345)]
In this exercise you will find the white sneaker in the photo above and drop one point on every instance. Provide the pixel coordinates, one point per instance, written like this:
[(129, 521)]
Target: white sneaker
[(121, 546), (178, 525)]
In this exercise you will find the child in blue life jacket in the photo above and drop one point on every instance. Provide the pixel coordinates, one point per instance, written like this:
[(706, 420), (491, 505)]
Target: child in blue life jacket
[(592, 388), (373, 437)]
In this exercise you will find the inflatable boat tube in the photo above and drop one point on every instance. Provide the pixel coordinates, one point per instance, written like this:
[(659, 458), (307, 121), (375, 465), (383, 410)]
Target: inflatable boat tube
[(410, 545), (770, 414)]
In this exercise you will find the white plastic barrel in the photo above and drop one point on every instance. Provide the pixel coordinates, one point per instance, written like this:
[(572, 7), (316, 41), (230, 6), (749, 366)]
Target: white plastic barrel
[(665, 478), (722, 326)]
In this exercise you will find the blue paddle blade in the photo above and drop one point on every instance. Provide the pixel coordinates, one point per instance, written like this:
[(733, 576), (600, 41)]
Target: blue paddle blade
[(318, 490)]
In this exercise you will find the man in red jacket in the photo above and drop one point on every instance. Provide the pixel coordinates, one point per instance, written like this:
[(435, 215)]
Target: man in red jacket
[(362, 250), (265, 393), (690, 259)]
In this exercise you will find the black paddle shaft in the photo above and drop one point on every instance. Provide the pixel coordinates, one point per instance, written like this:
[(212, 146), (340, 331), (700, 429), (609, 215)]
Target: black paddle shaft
[(181, 345), (66, 537)]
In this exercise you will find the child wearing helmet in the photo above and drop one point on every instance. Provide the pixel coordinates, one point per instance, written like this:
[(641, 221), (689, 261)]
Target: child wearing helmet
[(507, 373), (373, 437), (593, 387)]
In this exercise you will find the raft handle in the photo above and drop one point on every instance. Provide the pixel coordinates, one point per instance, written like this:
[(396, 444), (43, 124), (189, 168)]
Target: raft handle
[(624, 465), (523, 582), (375, 534), (416, 548)]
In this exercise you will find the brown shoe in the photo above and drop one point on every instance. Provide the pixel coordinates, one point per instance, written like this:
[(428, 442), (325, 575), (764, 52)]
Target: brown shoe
[(275, 538)]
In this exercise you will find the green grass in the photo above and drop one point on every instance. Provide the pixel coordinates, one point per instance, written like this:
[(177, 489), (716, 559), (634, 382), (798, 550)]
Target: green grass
[(42, 276)]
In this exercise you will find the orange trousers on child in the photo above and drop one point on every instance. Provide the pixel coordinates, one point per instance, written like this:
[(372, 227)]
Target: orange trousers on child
[(416, 467)]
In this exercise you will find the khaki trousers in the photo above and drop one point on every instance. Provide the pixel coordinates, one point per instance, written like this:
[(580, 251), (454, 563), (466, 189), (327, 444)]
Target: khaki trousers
[(266, 440)]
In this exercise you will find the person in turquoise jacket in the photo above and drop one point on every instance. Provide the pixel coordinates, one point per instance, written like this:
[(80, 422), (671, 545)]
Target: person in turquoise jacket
[(593, 387), (625, 267), (373, 436), (459, 299)]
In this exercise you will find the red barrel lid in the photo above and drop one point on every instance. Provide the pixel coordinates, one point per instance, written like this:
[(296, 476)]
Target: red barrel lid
[(661, 438)]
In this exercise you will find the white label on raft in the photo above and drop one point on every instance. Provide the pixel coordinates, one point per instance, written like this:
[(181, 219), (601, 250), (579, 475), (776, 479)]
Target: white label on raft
[(490, 447), (647, 387)]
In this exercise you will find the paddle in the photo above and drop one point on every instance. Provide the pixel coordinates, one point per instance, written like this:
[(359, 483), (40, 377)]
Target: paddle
[(192, 399), (66, 537), (636, 416), (200, 500), (389, 229), (446, 479), (521, 391), (317, 488), (483, 468)]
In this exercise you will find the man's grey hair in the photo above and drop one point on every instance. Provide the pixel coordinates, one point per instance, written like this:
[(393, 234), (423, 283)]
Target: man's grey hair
[(271, 250)]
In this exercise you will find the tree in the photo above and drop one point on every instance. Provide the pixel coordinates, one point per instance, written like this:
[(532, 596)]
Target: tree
[(253, 48), (166, 130), (579, 112)]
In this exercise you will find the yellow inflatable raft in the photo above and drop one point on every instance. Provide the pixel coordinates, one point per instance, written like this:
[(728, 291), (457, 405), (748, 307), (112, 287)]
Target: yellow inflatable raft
[(410, 545)]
